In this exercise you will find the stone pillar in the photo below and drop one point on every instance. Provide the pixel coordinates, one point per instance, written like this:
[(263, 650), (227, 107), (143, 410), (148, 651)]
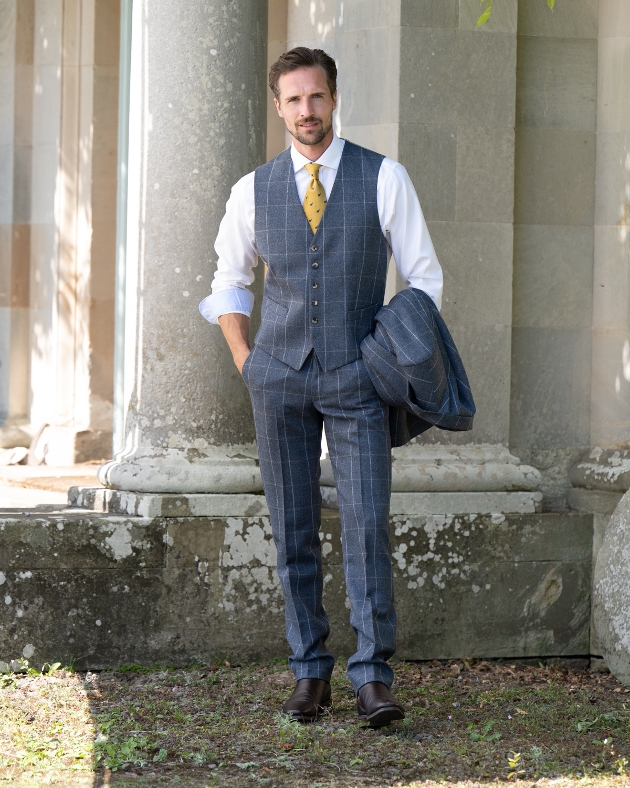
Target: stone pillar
[(197, 124), (73, 226), (277, 44), (553, 238), (16, 89), (610, 380), (602, 475), (419, 83)]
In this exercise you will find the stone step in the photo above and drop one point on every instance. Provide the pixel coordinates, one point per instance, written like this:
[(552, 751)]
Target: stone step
[(418, 503), (99, 499)]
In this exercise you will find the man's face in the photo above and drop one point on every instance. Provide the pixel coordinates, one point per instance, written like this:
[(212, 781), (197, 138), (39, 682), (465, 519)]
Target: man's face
[(305, 104)]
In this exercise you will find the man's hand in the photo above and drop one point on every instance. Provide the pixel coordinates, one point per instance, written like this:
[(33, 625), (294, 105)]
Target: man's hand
[(235, 329)]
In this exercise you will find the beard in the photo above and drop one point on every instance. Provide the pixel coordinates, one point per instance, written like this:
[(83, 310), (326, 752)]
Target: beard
[(316, 136)]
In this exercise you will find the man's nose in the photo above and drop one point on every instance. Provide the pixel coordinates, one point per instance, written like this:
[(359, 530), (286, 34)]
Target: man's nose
[(307, 108)]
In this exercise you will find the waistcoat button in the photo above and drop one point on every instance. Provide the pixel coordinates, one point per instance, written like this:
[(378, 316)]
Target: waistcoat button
[(314, 284), (314, 320), (315, 265), (314, 303), (313, 248)]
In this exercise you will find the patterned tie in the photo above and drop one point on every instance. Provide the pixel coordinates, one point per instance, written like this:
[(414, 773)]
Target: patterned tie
[(315, 200)]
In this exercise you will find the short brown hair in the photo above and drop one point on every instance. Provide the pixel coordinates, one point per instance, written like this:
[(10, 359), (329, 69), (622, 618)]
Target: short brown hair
[(303, 57)]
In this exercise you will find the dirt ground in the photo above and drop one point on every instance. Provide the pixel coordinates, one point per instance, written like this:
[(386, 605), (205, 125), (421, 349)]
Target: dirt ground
[(469, 724)]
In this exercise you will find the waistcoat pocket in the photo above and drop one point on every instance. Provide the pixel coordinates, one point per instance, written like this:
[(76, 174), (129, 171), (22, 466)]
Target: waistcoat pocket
[(272, 312), (360, 315)]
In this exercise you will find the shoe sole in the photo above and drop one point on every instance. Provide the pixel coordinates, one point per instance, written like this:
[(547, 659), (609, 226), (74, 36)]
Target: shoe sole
[(303, 718), (382, 717)]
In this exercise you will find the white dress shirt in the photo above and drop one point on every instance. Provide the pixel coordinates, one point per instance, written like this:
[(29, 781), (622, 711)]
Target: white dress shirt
[(399, 212)]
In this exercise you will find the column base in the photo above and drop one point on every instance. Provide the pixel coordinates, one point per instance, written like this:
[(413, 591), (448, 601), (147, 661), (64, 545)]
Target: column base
[(473, 468), (175, 471), (605, 470)]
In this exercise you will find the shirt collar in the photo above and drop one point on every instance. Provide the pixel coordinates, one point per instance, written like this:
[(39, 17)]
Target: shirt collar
[(329, 158)]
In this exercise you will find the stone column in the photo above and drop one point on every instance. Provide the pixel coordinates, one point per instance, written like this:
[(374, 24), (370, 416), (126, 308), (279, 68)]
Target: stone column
[(277, 44), (602, 475), (16, 88), (72, 226), (411, 86), (197, 124), (556, 123)]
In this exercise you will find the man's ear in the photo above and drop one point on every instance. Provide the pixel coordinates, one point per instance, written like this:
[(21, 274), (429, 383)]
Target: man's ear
[(334, 100), (277, 103)]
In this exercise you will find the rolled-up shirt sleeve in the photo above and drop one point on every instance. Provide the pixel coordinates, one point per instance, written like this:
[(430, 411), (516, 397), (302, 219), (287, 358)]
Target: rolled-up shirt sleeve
[(235, 246), (406, 231)]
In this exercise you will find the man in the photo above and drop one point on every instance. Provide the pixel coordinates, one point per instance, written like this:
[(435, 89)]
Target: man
[(325, 215)]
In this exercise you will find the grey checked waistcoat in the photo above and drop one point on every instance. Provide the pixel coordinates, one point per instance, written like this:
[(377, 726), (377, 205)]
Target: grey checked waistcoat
[(322, 291)]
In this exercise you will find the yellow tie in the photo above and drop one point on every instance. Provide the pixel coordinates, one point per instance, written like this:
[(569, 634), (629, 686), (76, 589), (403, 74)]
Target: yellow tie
[(315, 200)]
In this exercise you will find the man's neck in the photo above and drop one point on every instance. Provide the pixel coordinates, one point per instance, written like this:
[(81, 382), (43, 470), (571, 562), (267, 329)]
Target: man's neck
[(313, 152)]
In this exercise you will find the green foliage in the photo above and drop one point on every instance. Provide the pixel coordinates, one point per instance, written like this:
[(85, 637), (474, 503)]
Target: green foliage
[(114, 754), (487, 10), (609, 718), (485, 734)]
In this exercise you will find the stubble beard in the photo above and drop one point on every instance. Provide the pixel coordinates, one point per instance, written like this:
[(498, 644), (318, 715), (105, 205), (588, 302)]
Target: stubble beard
[(317, 138)]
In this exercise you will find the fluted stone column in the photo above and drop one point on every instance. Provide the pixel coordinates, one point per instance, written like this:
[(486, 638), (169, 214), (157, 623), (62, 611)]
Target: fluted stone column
[(197, 124)]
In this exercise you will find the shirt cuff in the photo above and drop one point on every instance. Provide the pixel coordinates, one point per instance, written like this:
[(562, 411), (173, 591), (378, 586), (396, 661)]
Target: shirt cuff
[(233, 299)]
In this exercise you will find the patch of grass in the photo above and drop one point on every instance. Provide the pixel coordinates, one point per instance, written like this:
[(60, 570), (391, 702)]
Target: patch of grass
[(468, 723)]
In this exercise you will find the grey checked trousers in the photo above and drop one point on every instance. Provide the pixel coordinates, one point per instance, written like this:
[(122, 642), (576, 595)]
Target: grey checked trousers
[(290, 409)]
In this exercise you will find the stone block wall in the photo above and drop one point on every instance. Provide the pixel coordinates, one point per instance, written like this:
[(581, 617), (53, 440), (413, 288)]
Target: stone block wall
[(456, 139), (106, 589)]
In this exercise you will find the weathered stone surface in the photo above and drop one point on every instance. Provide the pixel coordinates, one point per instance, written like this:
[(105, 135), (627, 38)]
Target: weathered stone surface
[(612, 240), (440, 468), (601, 504), (155, 505), (197, 125), (420, 503), (463, 77), (550, 387), (478, 277), (109, 590), (553, 276), (555, 177), (496, 585), (610, 399), (560, 97), (431, 13), (603, 470), (576, 19), (485, 189), (611, 593), (613, 105), (430, 156)]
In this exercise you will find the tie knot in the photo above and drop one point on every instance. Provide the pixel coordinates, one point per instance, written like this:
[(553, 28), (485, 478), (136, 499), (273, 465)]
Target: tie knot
[(313, 170)]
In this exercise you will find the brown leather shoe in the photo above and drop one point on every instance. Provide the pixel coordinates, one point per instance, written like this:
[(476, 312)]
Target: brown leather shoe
[(309, 697), (377, 705)]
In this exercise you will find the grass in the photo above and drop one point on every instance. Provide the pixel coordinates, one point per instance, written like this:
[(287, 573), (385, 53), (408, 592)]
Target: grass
[(468, 723)]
